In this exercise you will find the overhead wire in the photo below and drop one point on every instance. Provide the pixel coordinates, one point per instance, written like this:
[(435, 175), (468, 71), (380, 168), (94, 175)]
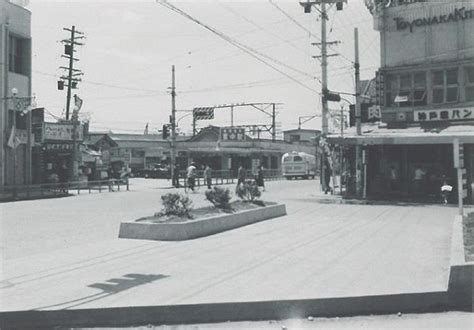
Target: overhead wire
[(249, 50)]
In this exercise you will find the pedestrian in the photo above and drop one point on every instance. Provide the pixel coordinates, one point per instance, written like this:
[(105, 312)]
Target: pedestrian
[(418, 179), (393, 178), (327, 178), (241, 175), (191, 175), (446, 191), (259, 177), (175, 179), (208, 176)]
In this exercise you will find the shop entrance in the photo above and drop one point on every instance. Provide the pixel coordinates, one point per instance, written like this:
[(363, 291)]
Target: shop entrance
[(413, 172)]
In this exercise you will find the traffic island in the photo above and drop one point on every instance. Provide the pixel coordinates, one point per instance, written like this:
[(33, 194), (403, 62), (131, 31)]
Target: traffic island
[(204, 222)]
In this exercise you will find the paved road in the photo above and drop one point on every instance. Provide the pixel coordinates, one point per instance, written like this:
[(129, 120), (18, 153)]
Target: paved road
[(64, 253)]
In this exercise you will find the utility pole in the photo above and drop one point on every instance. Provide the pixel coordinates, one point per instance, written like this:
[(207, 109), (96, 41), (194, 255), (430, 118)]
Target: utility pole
[(173, 121), (273, 124), (72, 76), (359, 165), (324, 76)]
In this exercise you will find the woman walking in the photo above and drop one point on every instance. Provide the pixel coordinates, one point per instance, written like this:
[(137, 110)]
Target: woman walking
[(259, 177)]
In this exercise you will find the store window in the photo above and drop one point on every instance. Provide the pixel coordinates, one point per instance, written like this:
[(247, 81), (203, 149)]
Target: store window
[(469, 80)]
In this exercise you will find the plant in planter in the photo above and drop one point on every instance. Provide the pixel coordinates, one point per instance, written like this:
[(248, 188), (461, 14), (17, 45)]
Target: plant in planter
[(248, 192), (219, 197), (176, 204)]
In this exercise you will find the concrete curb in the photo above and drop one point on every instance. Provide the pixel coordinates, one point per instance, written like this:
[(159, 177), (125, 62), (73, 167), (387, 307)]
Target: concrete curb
[(222, 312), (198, 228), (461, 275)]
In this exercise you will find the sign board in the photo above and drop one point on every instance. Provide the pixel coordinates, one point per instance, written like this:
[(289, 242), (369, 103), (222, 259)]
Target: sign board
[(455, 15), (232, 134), (203, 113), (458, 154), (61, 132), (444, 114)]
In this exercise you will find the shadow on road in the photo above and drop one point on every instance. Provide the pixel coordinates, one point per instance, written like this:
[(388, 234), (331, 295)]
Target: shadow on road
[(109, 288)]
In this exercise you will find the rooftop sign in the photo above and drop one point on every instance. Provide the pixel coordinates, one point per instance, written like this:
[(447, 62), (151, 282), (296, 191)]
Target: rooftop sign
[(459, 14)]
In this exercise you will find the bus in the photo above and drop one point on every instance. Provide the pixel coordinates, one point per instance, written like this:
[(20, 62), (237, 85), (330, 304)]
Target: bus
[(298, 164)]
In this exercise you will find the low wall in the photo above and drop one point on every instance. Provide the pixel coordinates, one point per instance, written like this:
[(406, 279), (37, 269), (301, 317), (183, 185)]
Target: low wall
[(198, 228), (461, 275)]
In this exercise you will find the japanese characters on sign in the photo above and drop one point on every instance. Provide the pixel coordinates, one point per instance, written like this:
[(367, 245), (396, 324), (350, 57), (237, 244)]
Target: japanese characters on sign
[(444, 114), (232, 134), (61, 132)]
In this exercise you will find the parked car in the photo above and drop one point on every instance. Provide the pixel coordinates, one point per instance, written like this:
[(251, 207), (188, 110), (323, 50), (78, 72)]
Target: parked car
[(158, 171)]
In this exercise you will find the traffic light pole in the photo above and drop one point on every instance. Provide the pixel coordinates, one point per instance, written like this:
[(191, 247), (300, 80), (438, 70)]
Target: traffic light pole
[(69, 80), (359, 164), (173, 121)]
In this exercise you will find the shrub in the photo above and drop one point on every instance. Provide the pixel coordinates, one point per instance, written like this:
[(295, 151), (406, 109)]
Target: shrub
[(219, 197), (176, 204), (248, 191)]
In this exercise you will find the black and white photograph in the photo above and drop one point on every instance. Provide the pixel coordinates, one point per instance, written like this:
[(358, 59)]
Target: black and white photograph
[(236, 164)]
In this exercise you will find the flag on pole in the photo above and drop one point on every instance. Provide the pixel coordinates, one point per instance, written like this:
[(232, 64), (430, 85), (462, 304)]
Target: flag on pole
[(13, 140)]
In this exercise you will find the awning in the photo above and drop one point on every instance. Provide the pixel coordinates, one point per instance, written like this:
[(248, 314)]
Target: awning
[(411, 135)]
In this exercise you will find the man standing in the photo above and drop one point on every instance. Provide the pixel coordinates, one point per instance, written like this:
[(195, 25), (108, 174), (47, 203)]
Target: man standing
[(191, 175), (208, 176), (241, 175)]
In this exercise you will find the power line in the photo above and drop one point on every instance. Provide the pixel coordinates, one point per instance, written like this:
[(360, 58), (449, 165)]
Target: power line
[(241, 46)]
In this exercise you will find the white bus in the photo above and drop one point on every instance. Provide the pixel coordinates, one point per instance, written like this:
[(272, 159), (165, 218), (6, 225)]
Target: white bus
[(298, 164)]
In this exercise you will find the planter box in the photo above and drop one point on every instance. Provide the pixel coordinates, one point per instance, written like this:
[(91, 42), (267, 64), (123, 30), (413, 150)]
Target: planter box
[(179, 231)]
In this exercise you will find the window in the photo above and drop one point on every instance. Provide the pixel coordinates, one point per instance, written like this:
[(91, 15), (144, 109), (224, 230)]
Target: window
[(18, 55), (445, 86), (297, 159), (469, 80), (410, 86), (287, 159)]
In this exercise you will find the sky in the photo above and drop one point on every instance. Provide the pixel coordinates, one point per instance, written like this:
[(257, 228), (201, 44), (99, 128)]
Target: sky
[(130, 47)]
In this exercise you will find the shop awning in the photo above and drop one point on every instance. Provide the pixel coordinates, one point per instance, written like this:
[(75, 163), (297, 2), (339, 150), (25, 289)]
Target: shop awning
[(412, 135)]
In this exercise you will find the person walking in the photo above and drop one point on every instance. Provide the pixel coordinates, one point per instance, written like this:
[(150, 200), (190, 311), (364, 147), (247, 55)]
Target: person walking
[(208, 176), (259, 177), (191, 176), (241, 175), (175, 179), (327, 178)]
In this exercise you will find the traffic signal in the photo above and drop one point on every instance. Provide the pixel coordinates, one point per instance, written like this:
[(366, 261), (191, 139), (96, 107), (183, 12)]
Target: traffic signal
[(333, 97), (60, 85), (68, 50), (165, 132)]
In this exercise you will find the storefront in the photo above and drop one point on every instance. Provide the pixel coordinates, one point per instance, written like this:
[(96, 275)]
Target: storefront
[(54, 152), (410, 164)]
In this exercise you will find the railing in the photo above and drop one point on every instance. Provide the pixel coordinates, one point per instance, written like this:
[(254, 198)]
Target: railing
[(43, 190), (220, 177)]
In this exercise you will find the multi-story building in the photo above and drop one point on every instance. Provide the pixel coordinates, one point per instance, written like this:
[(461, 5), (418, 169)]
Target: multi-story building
[(15, 74), (425, 89)]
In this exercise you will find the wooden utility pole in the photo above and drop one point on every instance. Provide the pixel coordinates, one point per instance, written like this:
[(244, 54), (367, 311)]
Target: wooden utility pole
[(359, 164), (173, 121), (72, 75)]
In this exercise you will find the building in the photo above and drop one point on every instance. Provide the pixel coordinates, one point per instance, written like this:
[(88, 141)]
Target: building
[(222, 148), (15, 73), (425, 89)]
